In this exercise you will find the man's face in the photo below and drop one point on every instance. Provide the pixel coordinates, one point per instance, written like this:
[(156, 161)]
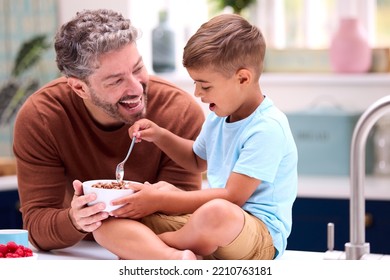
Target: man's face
[(117, 89)]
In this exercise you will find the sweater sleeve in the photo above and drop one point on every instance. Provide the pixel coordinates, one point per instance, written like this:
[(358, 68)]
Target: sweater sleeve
[(42, 183)]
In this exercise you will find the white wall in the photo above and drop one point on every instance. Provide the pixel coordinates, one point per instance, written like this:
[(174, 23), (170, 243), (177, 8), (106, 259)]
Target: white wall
[(185, 17), (68, 8)]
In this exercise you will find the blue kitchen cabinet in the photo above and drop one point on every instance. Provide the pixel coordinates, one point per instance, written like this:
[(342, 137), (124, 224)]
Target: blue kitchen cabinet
[(311, 216), (10, 217)]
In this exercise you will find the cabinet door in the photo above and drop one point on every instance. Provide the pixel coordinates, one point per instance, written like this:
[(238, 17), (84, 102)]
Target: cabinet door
[(10, 217), (310, 220), (311, 216), (378, 226)]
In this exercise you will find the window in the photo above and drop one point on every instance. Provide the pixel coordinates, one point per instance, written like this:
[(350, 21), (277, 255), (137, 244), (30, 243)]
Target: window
[(306, 24), (382, 23), (311, 23), (19, 22)]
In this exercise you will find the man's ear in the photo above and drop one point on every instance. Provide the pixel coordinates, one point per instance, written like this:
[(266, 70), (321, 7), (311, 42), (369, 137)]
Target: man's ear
[(79, 87), (244, 76)]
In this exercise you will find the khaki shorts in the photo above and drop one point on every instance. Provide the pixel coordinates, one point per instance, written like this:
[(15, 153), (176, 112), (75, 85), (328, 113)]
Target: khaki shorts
[(253, 243)]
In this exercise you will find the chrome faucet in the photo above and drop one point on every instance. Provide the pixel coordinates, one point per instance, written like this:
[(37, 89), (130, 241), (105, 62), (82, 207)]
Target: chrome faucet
[(358, 248)]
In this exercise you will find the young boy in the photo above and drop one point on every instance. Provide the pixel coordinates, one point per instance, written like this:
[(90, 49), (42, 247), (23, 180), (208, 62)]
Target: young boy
[(245, 144)]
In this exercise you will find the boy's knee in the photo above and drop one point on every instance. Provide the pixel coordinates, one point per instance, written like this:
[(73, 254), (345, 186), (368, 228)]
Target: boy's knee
[(219, 209), (219, 204)]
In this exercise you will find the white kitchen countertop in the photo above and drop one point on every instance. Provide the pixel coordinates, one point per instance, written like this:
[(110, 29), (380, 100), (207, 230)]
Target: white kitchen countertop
[(84, 250), (8, 183), (376, 188), (90, 250)]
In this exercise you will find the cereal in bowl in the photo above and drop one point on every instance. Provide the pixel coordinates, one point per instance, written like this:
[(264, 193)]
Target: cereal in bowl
[(110, 185)]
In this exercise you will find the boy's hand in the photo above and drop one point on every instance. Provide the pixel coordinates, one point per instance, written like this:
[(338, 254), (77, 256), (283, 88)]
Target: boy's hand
[(143, 202), (145, 129)]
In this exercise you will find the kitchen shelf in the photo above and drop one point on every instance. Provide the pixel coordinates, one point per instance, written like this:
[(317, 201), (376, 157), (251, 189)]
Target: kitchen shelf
[(327, 79), (300, 91), (301, 77)]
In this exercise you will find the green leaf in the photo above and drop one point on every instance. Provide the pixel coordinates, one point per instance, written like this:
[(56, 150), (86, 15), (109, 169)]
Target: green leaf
[(19, 95), (237, 5), (7, 91), (29, 54)]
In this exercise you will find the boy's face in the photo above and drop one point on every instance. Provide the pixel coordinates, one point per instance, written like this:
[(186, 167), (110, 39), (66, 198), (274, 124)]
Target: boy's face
[(225, 96)]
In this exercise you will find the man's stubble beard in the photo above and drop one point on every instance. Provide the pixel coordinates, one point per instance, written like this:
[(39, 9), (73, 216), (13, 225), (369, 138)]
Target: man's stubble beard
[(113, 109)]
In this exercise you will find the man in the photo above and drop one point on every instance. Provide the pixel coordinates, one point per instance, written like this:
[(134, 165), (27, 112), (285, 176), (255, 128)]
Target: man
[(75, 128)]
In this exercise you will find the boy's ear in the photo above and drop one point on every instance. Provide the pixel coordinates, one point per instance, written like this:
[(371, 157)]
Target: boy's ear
[(244, 76), (79, 87)]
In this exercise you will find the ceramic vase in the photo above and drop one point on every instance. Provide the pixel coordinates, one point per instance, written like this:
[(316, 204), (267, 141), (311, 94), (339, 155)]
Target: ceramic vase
[(163, 46), (350, 51)]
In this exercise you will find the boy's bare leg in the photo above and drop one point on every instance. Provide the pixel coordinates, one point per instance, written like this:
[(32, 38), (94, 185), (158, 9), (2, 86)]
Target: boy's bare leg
[(216, 223), (129, 239)]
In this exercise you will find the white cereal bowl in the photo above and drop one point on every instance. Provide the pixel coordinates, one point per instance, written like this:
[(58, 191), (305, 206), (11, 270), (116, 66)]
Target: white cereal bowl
[(106, 195)]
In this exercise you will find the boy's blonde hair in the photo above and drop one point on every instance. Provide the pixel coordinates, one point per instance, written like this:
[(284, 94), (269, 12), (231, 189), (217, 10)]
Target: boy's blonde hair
[(226, 43)]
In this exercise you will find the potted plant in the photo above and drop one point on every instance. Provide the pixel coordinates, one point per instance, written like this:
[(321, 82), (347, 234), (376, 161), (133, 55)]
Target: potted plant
[(237, 5), (15, 91)]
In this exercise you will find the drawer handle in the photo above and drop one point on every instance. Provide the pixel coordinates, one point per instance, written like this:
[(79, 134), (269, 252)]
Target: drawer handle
[(369, 220)]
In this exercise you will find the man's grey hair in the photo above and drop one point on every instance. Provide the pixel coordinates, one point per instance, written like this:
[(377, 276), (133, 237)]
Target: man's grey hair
[(91, 33)]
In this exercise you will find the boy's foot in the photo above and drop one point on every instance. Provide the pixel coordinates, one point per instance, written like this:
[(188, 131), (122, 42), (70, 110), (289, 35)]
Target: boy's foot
[(188, 255)]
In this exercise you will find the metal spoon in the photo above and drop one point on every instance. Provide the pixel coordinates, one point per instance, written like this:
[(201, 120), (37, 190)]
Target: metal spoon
[(119, 173)]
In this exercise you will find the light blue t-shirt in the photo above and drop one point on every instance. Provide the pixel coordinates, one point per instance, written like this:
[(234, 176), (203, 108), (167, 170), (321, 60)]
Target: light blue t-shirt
[(260, 146)]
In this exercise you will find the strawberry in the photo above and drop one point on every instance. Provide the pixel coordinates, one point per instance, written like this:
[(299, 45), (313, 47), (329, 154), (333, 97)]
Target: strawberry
[(3, 249), (13, 250), (28, 254), (27, 250), (12, 246), (20, 252), (11, 255)]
